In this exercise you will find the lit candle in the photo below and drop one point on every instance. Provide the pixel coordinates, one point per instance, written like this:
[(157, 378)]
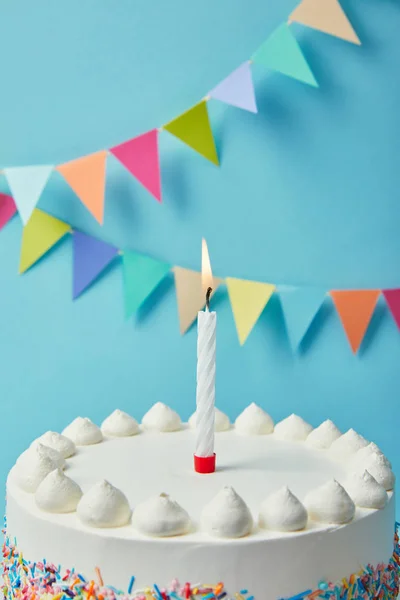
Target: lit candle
[(204, 458)]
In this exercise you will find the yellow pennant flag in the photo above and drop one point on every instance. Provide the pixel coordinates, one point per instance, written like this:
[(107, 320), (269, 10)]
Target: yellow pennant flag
[(327, 16), (194, 129), (38, 236), (248, 300), (190, 295)]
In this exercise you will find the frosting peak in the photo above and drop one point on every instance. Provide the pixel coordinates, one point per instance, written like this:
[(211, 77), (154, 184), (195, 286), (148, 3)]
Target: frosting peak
[(227, 515), (119, 424), (282, 511), (330, 503), (254, 421), (362, 455), (323, 436), (54, 455), (376, 465), (83, 432), (293, 429), (161, 517), (365, 491), (58, 442), (347, 445), (221, 421), (104, 506), (31, 468), (161, 417), (58, 493)]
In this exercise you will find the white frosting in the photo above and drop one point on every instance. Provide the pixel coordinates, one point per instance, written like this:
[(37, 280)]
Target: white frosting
[(227, 515), (161, 517), (293, 428), (347, 445), (323, 436), (365, 491), (282, 511), (32, 468), (104, 506), (83, 432), (330, 503), (59, 442), (161, 417), (221, 421), (57, 493), (254, 421), (376, 465), (119, 424), (54, 455), (362, 455)]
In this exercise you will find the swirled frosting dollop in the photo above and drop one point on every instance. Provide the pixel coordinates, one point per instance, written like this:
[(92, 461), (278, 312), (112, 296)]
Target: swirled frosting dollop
[(46, 451), (282, 511), (227, 515), (32, 468), (58, 442), (161, 417), (365, 491), (221, 421), (83, 432), (330, 503), (119, 424), (104, 506), (347, 445), (254, 421), (376, 465), (362, 455), (161, 517), (322, 437), (293, 429), (57, 493)]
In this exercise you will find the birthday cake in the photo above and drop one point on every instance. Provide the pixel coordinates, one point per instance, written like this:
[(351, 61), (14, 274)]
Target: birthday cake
[(119, 510)]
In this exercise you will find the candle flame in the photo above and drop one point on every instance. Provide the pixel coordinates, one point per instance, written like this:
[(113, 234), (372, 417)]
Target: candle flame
[(206, 273)]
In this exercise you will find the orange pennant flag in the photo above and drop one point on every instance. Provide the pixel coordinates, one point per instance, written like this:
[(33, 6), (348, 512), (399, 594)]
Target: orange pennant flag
[(326, 16), (87, 177), (190, 295), (355, 309)]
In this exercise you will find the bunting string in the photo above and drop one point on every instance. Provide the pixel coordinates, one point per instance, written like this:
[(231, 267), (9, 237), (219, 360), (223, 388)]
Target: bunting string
[(86, 175), (143, 274)]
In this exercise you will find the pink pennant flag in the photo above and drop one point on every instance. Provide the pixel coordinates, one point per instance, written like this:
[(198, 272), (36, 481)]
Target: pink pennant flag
[(392, 298), (140, 157), (237, 89), (7, 209)]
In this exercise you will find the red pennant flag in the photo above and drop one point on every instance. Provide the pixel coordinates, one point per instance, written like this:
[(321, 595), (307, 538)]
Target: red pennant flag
[(355, 309), (140, 157), (7, 209), (392, 298)]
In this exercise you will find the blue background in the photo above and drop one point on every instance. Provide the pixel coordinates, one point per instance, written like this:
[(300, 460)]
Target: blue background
[(307, 193)]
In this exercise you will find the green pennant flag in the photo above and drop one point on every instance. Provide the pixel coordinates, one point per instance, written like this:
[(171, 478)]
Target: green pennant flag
[(282, 53), (142, 275), (194, 129)]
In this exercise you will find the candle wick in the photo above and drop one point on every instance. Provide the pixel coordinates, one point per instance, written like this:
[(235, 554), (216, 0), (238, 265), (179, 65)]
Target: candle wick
[(208, 294)]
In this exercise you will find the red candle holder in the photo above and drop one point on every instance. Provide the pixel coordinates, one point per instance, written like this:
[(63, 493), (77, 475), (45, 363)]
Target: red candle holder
[(204, 464)]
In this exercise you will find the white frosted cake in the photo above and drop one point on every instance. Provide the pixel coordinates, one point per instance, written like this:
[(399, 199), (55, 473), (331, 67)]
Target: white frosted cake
[(291, 511)]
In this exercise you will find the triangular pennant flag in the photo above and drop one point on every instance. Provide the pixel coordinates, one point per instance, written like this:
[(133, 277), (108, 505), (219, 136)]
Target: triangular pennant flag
[(41, 233), (300, 306), (87, 177), (237, 89), (355, 309), (194, 129), (7, 209), (392, 298), (248, 300), (91, 257), (282, 53), (327, 16), (26, 185), (190, 295), (142, 275), (140, 157)]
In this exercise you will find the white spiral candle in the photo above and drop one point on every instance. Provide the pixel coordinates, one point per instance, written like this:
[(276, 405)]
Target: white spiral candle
[(205, 397)]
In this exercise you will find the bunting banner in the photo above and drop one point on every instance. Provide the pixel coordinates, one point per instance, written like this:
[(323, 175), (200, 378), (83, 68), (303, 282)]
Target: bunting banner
[(140, 155), (142, 275)]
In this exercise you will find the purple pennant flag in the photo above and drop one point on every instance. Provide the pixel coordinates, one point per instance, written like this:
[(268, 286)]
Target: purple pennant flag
[(91, 257), (237, 89)]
